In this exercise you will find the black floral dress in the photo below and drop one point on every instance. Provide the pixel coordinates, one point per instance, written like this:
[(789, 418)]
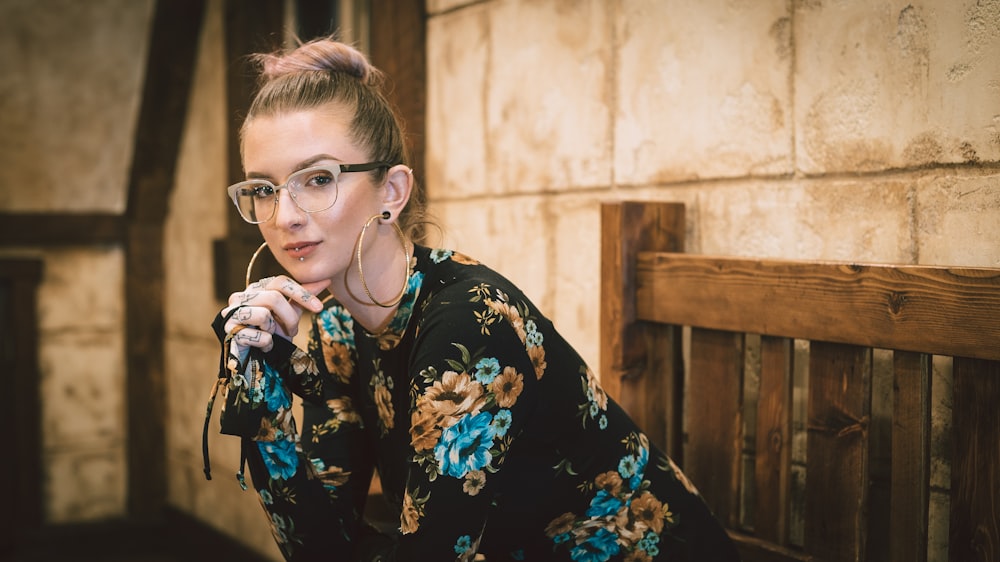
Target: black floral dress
[(489, 434)]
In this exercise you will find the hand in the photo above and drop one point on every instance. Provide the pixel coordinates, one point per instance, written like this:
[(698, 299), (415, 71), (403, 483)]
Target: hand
[(267, 307)]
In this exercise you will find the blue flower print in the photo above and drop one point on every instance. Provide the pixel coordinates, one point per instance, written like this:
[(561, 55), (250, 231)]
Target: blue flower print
[(627, 467), (279, 458), (266, 497), (277, 397), (603, 422), (501, 422), (534, 339), (517, 554), (599, 547), (604, 504), (338, 323), (463, 544), (438, 256), (466, 445), (649, 543), (487, 369)]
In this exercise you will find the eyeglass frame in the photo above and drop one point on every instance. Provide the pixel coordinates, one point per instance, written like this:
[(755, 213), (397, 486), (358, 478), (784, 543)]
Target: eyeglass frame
[(334, 169)]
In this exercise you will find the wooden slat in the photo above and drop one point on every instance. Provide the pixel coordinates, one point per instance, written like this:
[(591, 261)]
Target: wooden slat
[(891, 307), (837, 451), (975, 469), (774, 441), (911, 428), (715, 419), (654, 398), (627, 229)]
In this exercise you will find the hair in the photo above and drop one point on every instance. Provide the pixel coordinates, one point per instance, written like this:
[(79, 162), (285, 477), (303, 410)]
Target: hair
[(325, 72)]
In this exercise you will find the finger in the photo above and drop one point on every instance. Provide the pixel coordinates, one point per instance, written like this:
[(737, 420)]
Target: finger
[(258, 317), (299, 294), (252, 337)]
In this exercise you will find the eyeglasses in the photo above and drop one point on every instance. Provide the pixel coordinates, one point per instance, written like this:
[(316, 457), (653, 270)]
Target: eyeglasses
[(312, 189)]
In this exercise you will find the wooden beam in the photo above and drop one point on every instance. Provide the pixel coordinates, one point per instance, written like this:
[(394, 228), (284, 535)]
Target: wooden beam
[(21, 380), (170, 66), (61, 229), (399, 48)]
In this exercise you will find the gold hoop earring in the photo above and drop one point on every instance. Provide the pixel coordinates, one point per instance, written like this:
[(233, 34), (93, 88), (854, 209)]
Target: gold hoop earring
[(406, 255), (253, 259)]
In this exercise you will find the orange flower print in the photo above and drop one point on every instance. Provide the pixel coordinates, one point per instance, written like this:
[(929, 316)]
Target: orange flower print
[(334, 476), (302, 363), (474, 482), (600, 397), (537, 355), (383, 401), (609, 481), (409, 519), (507, 387), (560, 525), (452, 397), (343, 409), (424, 433), (337, 356), (511, 315), (648, 510), (463, 259)]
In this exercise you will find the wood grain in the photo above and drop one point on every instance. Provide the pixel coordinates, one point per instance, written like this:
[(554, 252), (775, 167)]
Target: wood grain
[(883, 306), (837, 451), (911, 434)]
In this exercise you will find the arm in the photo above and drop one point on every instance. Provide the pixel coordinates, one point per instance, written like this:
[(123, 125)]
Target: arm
[(314, 488)]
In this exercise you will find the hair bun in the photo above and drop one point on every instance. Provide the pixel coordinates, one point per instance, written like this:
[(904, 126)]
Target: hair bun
[(325, 55)]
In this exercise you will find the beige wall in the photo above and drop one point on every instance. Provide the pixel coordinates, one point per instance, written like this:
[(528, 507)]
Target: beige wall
[(851, 130), (69, 95), (855, 130)]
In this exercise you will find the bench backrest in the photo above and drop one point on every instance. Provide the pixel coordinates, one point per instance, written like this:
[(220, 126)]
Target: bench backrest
[(733, 321)]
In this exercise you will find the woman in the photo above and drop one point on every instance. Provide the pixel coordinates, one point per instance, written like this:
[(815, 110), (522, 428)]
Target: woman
[(489, 433)]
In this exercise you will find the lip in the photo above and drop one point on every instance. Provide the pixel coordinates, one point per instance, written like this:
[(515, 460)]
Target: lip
[(300, 250)]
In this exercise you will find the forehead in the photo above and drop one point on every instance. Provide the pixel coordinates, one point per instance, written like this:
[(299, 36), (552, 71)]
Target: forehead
[(276, 144)]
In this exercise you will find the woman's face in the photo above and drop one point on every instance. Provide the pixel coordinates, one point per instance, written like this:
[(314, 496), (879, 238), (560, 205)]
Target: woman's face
[(310, 246)]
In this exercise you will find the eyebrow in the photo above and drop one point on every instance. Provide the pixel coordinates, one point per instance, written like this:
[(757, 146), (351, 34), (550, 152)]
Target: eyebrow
[(307, 163)]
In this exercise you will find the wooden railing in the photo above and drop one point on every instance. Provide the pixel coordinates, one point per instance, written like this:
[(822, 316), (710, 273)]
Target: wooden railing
[(706, 352)]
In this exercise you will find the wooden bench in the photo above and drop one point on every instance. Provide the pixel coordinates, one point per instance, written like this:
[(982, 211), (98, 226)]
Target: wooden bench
[(682, 334)]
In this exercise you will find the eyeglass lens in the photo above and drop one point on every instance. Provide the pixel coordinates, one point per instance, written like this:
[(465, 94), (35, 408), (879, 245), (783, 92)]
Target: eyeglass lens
[(313, 190)]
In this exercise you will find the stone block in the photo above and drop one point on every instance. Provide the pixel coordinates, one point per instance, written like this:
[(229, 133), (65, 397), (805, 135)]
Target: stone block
[(84, 485), (457, 62), (701, 90), (82, 385), (827, 220), (548, 99), (896, 84), (82, 290), (958, 220)]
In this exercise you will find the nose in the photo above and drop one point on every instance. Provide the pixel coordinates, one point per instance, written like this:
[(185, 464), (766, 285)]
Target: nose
[(287, 213)]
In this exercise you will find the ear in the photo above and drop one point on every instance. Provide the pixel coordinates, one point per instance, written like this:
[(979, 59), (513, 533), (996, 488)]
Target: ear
[(397, 189)]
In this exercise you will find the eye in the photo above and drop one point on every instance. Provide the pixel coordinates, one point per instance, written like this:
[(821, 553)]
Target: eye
[(259, 191), (318, 179)]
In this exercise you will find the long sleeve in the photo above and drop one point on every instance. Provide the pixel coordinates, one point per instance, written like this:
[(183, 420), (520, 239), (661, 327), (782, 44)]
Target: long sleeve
[(313, 488)]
